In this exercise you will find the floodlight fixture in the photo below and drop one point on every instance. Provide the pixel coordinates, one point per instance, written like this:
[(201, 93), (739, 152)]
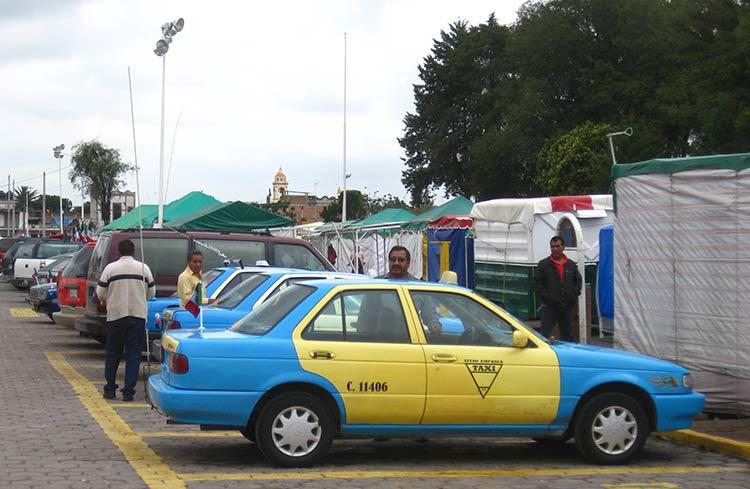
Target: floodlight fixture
[(162, 47)]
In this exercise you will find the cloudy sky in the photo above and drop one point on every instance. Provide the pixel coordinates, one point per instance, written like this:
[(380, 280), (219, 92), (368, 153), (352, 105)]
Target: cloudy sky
[(254, 85)]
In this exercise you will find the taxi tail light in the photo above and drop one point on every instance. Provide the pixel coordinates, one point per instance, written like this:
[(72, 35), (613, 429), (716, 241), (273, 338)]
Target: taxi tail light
[(178, 364), (173, 324)]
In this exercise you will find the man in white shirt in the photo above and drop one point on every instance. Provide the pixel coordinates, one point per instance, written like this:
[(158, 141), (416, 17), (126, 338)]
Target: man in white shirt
[(125, 285)]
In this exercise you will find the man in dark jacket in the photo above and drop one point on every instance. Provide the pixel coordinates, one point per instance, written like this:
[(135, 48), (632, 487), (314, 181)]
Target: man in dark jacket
[(558, 283)]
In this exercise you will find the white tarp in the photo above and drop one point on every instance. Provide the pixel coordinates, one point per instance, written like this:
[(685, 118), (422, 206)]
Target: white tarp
[(518, 230), (372, 250), (682, 272)]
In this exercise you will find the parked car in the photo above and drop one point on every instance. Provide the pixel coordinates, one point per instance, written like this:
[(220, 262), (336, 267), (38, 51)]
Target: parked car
[(306, 367), (43, 298), (240, 299), (51, 271), (166, 254), (5, 244), (71, 287), (33, 254), (7, 270), (218, 282)]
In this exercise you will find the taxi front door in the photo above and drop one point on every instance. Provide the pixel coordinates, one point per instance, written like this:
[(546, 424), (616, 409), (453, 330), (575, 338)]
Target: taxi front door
[(361, 342), (476, 376)]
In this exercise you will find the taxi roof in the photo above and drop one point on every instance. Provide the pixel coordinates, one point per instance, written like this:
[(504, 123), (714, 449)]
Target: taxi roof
[(366, 281)]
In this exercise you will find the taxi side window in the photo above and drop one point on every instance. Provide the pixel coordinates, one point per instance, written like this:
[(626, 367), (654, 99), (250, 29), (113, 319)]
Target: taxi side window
[(366, 316), (454, 319)]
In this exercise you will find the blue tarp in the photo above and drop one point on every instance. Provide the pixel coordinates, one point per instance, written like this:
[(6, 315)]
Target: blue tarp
[(605, 281), (461, 252)]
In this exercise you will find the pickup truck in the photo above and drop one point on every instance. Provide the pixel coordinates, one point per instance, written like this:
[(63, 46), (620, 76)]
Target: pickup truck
[(32, 255)]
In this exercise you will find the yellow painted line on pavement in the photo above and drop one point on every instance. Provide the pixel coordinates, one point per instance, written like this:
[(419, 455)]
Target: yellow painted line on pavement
[(710, 442), (383, 474), (148, 465), (190, 434), (23, 312)]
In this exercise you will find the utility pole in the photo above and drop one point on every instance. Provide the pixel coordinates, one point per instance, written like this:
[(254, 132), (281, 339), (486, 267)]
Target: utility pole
[(44, 204), (7, 223)]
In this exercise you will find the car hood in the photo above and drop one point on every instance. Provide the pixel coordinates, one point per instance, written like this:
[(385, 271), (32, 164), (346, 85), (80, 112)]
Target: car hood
[(44, 287), (588, 356)]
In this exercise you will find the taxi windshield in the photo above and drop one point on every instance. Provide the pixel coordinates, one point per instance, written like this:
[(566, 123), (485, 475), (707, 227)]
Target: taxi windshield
[(271, 312), (240, 292)]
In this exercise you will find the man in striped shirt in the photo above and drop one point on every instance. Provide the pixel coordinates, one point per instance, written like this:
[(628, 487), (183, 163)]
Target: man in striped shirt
[(124, 285)]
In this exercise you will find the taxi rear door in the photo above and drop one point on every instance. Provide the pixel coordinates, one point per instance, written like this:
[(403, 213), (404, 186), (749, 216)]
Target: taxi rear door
[(359, 339)]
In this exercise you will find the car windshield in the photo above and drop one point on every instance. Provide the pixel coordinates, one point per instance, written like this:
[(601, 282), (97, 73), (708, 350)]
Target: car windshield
[(78, 266), (270, 313), (56, 263), (212, 275), (241, 291)]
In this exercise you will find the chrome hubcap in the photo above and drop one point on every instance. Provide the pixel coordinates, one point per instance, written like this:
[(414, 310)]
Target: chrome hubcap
[(296, 431), (614, 430)]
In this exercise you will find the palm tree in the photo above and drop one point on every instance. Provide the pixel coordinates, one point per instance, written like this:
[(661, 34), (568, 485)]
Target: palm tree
[(24, 196)]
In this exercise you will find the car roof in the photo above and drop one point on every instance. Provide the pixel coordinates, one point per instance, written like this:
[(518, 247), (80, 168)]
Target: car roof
[(280, 272), (367, 281)]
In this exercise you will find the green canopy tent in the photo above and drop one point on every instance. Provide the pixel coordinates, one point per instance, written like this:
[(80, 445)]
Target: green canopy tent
[(130, 220), (184, 206), (458, 206), (230, 216)]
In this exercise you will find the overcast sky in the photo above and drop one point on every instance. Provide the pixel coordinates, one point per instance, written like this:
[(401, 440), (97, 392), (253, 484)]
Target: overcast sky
[(258, 85)]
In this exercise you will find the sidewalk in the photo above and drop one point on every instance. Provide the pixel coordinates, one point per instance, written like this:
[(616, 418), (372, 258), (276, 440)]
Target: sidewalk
[(727, 436)]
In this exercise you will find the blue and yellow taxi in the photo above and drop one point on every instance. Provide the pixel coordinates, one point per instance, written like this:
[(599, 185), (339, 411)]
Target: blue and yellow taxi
[(377, 358)]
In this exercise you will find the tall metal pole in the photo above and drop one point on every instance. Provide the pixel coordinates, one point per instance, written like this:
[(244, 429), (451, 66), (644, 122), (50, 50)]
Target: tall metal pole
[(8, 208), (160, 218), (14, 208), (59, 161), (26, 213), (343, 205), (44, 204), (83, 201)]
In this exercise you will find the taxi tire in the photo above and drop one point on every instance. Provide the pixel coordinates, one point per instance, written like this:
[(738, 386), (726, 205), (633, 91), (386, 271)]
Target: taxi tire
[(583, 429), (248, 434), (277, 405)]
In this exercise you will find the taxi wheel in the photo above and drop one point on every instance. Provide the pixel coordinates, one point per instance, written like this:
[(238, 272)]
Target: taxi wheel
[(294, 430), (250, 435), (611, 428)]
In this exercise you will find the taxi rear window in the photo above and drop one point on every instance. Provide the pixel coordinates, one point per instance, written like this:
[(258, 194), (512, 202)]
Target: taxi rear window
[(270, 313)]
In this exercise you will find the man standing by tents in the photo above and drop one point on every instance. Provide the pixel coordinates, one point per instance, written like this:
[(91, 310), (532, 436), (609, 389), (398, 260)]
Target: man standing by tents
[(558, 283)]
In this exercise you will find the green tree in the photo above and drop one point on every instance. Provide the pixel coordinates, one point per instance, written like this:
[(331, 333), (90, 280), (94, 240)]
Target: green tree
[(356, 207), (97, 170), (491, 97), (25, 195), (53, 204), (577, 162), (374, 204)]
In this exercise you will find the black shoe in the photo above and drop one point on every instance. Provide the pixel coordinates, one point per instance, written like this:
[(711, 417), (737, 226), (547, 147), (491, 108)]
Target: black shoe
[(127, 397), (108, 395)]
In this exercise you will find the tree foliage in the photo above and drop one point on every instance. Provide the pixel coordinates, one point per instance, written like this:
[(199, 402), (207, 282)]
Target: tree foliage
[(356, 207), (575, 163), (492, 98), (53, 204), (97, 170), (25, 195)]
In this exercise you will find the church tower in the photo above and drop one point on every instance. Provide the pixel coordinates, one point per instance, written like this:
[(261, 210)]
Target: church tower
[(280, 186)]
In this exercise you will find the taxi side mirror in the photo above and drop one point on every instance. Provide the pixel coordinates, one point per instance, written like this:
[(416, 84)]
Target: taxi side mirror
[(520, 340)]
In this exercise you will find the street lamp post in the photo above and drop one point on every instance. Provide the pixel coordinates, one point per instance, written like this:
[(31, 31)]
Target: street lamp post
[(626, 132), (58, 152), (168, 30)]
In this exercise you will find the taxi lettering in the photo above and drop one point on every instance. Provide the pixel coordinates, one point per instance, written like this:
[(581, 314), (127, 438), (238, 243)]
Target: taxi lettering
[(352, 386)]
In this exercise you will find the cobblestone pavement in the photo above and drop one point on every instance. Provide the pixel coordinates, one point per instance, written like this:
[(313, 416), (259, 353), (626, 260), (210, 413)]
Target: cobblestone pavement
[(56, 431)]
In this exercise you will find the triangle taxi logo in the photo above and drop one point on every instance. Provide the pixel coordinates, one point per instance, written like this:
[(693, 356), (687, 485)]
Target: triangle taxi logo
[(484, 373)]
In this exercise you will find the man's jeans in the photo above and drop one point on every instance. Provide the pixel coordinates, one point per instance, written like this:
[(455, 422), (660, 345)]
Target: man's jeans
[(560, 316), (124, 334)]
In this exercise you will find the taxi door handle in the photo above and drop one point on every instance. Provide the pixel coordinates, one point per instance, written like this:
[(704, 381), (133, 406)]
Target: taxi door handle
[(443, 357), (322, 354)]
